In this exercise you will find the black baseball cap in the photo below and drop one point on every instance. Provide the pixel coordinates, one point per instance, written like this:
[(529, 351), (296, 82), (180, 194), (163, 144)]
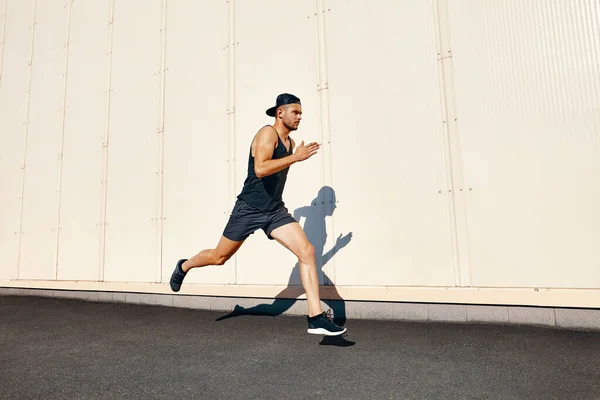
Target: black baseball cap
[(282, 100)]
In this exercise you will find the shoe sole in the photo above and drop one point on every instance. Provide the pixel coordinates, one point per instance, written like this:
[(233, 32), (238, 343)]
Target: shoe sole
[(321, 331)]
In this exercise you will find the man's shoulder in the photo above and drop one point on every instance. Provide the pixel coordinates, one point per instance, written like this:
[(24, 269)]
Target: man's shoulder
[(267, 134), (267, 130)]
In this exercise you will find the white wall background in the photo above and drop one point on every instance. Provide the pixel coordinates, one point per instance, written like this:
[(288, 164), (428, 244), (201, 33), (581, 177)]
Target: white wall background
[(460, 138)]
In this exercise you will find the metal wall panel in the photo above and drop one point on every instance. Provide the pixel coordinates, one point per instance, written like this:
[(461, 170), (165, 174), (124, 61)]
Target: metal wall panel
[(377, 82), (14, 82), (196, 186), (131, 238), (85, 127), (528, 99), (268, 63), (41, 181), (387, 144)]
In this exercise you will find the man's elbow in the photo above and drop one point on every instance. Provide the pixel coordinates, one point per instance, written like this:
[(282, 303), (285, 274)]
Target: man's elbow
[(259, 172)]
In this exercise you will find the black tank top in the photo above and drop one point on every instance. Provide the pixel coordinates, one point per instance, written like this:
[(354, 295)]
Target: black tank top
[(266, 193)]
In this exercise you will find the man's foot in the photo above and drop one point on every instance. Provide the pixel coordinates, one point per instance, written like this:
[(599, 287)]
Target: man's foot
[(177, 276), (322, 325)]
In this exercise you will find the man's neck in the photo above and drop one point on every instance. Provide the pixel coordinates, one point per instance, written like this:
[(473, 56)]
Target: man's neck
[(282, 130)]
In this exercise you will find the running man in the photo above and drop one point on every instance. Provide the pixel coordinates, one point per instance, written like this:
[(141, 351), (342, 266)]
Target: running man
[(260, 206)]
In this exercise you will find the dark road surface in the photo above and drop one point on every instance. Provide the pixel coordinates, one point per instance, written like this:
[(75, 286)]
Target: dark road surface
[(68, 349)]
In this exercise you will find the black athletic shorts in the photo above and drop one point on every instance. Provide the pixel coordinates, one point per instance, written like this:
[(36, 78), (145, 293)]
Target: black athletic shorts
[(245, 220)]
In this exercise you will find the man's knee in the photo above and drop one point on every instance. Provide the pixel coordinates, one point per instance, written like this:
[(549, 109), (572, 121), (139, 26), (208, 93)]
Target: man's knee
[(307, 252), (220, 259), (224, 250)]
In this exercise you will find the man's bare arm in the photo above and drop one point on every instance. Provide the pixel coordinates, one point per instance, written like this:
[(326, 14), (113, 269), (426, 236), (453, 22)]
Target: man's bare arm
[(265, 143)]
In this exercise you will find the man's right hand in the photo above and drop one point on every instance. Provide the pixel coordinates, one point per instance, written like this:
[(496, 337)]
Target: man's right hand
[(305, 152)]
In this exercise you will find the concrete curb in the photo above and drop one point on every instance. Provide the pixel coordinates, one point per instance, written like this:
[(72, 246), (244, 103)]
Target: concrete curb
[(558, 318)]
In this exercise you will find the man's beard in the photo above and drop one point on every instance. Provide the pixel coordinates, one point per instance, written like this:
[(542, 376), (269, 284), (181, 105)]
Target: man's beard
[(291, 127)]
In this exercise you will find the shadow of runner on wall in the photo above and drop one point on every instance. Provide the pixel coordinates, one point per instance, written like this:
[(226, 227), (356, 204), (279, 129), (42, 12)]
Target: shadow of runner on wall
[(315, 228)]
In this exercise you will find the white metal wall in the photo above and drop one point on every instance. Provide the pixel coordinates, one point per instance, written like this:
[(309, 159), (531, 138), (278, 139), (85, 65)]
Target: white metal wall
[(527, 84), (460, 142)]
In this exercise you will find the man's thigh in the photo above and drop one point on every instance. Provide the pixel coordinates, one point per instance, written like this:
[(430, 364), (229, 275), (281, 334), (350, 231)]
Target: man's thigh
[(277, 220), (292, 236), (243, 222)]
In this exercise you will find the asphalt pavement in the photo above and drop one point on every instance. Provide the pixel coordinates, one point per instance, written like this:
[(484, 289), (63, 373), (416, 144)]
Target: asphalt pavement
[(69, 349)]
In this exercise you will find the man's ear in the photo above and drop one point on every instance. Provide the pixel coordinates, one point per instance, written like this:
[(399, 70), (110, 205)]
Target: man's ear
[(281, 110)]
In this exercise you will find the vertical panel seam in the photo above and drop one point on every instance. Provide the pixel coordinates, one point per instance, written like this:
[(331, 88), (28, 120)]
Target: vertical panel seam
[(327, 165), (26, 123), (104, 182), (445, 139), (230, 57), (458, 193), (161, 141), (448, 107), (62, 138), (2, 42)]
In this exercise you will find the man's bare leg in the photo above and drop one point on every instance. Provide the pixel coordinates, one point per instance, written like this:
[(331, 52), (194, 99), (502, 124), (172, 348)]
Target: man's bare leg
[(217, 256), (294, 239)]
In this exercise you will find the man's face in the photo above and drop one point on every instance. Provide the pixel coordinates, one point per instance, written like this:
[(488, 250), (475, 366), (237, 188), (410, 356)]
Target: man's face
[(291, 115)]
